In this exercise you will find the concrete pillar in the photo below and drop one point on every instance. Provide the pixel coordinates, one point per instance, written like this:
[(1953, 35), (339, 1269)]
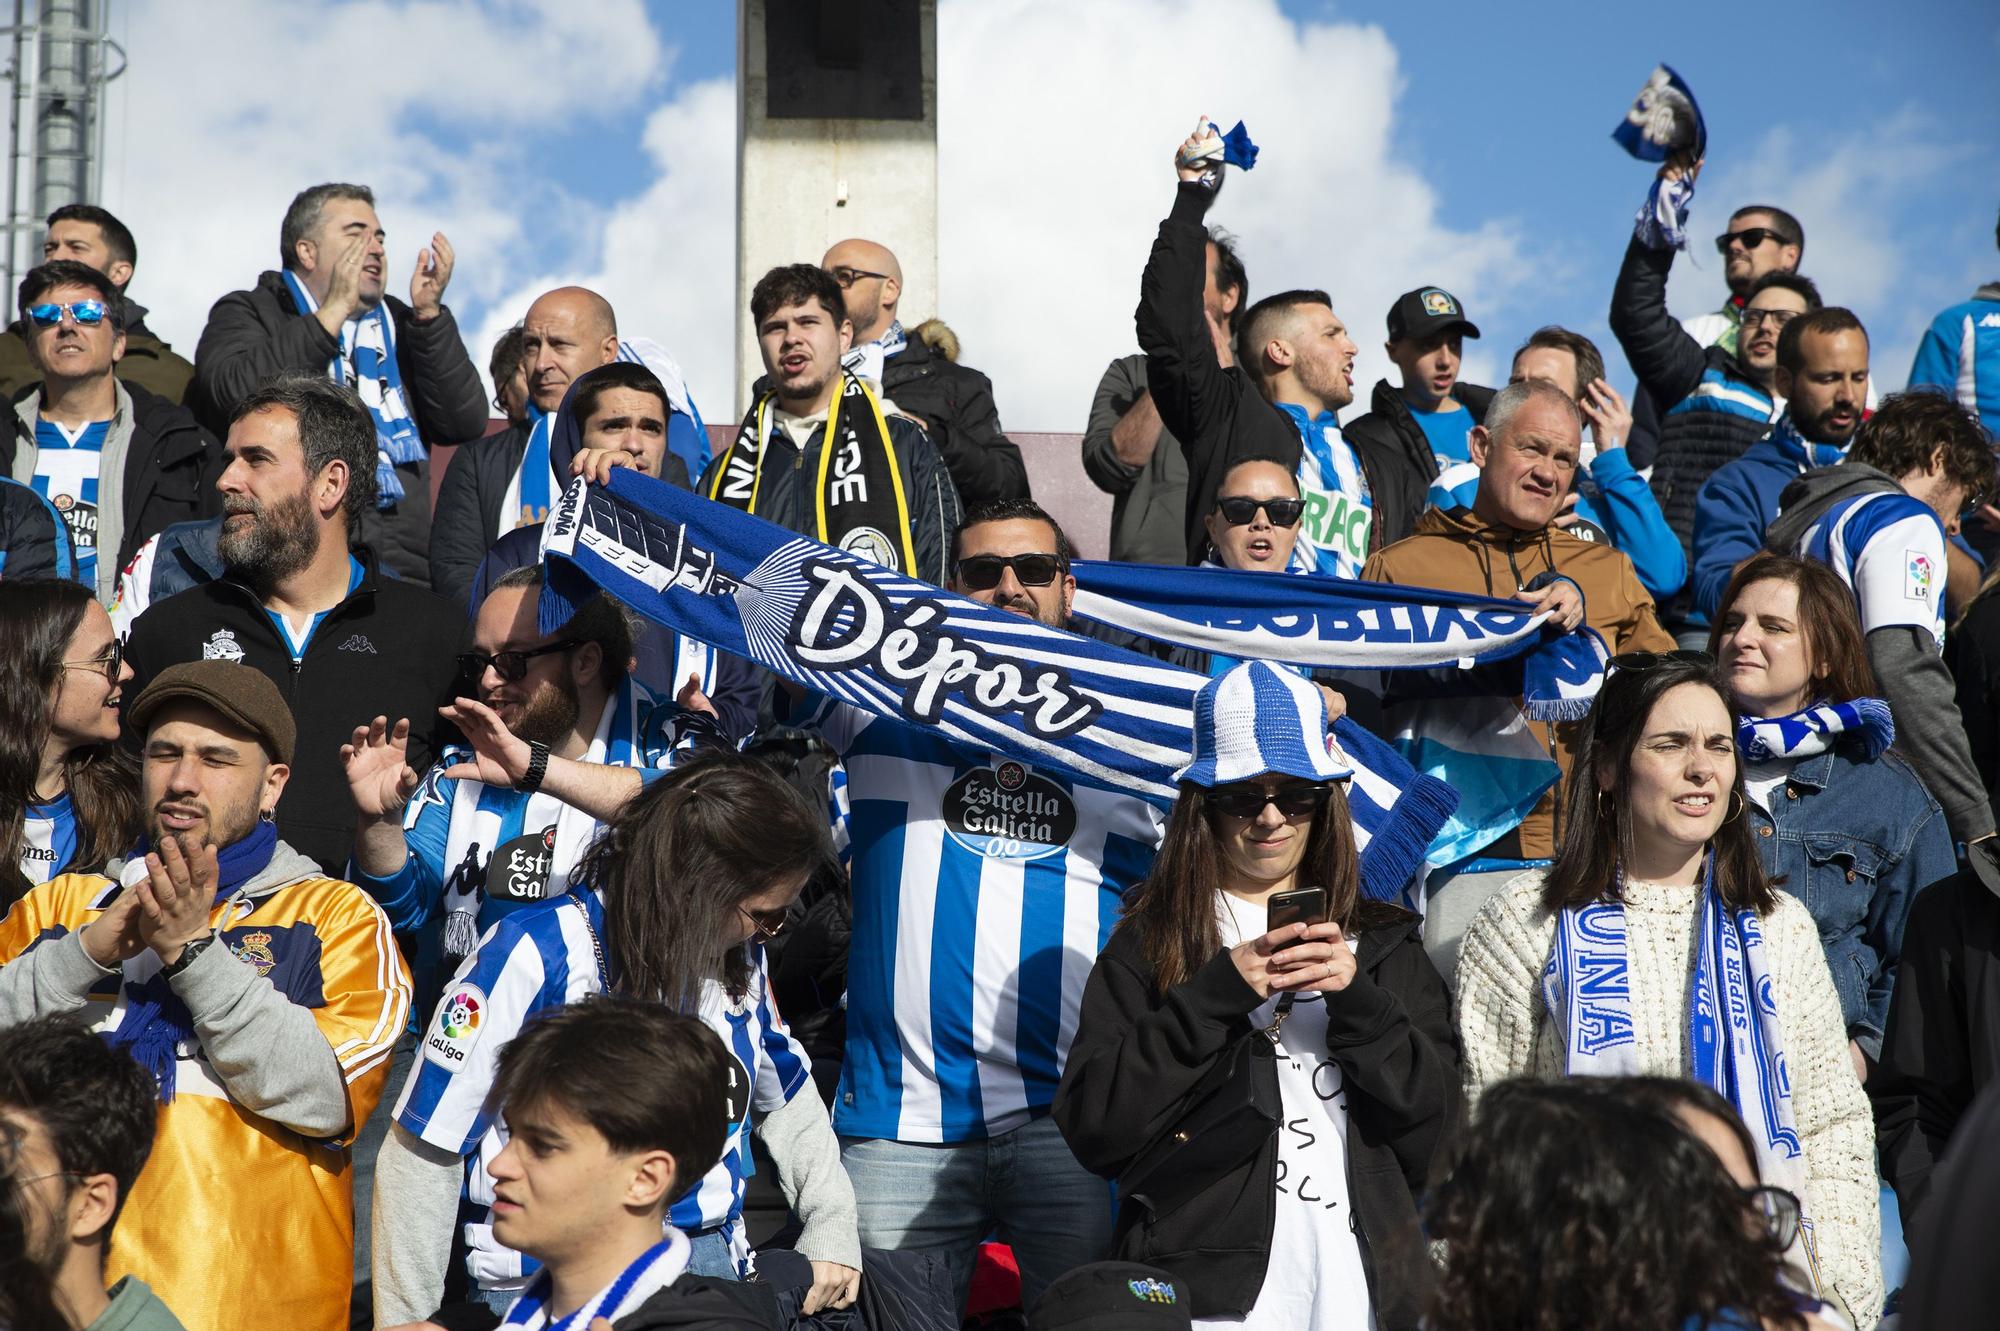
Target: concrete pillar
[(803, 184)]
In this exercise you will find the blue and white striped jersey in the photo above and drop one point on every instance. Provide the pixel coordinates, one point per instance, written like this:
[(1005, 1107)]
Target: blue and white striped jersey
[(535, 960), (983, 891), (1340, 508), (1889, 549), (48, 839)]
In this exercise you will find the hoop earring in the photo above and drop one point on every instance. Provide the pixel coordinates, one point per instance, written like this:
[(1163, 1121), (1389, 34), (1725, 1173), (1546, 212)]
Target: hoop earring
[(1739, 809), (1600, 806)]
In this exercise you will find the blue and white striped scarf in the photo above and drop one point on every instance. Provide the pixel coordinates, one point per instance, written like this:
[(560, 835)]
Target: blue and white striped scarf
[(1816, 729), (869, 359), (1340, 511), (366, 363), (898, 647), (1734, 1039), (1801, 450)]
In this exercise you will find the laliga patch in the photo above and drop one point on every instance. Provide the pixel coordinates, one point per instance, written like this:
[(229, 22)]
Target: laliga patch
[(1919, 575), (1007, 812), (455, 1029)]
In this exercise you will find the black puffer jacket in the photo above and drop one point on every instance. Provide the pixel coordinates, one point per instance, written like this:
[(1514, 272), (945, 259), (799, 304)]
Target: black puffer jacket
[(955, 404), (1138, 1055), (254, 334), (1390, 430), (1722, 409)]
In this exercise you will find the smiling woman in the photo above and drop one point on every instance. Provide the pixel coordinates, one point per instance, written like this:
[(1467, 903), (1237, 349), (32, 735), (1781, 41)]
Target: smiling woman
[(1584, 969)]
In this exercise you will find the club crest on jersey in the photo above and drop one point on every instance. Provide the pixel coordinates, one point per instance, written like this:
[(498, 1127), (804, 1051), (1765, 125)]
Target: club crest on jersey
[(1921, 575), (222, 646), (254, 951), (1008, 812), (455, 1030)]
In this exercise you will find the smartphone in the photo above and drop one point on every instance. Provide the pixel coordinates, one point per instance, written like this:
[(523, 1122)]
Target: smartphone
[(1305, 905)]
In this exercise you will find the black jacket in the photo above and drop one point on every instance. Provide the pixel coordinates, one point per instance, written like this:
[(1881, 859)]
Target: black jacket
[(955, 404), (388, 650), (1390, 430), (34, 540), (1671, 366), (1217, 413), (171, 465), (1137, 1056), (701, 1303), (254, 334), (1943, 1043)]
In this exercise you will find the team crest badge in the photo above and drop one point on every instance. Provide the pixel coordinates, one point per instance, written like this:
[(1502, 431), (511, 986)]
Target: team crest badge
[(254, 951), (1438, 302), (1151, 1290), (872, 544), (222, 647)]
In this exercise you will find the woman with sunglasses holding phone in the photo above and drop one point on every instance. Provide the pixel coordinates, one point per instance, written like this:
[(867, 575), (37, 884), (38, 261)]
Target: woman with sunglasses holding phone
[(1602, 1205), (1655, 944), (1249, 946), (69, 795), (674, 904)]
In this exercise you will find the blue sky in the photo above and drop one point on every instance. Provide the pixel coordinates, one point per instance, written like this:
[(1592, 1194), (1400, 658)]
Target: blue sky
[(1457, 143)]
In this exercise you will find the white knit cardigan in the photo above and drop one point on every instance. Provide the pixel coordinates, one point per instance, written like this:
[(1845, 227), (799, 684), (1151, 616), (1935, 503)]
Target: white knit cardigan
[(1504, 1031)]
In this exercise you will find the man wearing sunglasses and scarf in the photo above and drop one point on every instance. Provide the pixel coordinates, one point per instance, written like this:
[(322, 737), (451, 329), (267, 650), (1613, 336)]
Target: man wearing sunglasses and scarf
[(117, 462), (559, 736)]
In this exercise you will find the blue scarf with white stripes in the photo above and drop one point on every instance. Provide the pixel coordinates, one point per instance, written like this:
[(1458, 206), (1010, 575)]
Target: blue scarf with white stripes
[(898, 647), (1816, 729), (1340, 512), (1800, 450), (366, 362)]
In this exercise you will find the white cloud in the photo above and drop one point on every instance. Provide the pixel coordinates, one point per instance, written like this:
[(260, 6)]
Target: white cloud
[(229, 108)]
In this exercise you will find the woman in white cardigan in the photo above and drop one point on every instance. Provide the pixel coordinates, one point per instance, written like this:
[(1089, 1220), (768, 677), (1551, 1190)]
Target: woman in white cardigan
[(1654, 944)]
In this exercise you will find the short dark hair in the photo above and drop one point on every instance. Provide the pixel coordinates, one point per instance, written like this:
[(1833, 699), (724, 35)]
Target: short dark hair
[(1829, 620), (645, 1077), (1013, 510), (1822, 322), (594, 384), (117, 236), (1554, 337), (97, 1104), (1247, 459), (603, 619), (1807, 289), (302, 218), (1908, 427), (332, 425), (795, 284), (46, 277), (506, 356), (1230, 274), (1786, 225), (1262, 315)]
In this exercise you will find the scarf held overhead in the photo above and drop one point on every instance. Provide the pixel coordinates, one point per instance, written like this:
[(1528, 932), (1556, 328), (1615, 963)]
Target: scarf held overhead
[(897, 647), (366, 362)]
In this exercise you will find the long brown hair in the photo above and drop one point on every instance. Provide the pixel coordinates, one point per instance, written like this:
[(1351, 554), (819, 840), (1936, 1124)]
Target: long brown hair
[(38, 617), (1827, 617), (1173, 908), (679, 860), (1599, 836)]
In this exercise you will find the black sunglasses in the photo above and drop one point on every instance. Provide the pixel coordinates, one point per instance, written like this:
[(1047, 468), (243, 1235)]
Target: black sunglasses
[(509, 665), (1750, 238), (982, 573), (107, 664), (1249, 801), (1239, 511), (1637, 661), (1778, 1209)]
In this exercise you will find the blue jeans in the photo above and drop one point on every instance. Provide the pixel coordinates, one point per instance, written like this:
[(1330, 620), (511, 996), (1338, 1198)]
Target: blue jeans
[(1023, 1185)]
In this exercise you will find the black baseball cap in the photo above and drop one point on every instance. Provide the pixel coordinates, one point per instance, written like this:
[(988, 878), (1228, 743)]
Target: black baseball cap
[(1425, 312), (1114, 1296)]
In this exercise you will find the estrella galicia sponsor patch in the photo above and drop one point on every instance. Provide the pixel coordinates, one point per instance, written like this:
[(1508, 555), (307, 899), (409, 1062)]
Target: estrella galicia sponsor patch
[(455, 1029), (1009, 812), (519, 870)]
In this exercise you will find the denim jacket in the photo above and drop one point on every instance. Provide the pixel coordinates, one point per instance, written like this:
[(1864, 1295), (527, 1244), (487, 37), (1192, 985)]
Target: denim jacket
[(1856, 841)]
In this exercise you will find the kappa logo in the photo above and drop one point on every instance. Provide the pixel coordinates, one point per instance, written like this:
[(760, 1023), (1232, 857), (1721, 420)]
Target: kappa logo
[(357, 643), (450, 1039), (1990, 321), (1917, 586), (222, 646)]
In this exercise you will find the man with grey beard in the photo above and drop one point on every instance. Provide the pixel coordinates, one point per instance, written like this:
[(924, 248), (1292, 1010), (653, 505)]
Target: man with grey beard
[(303, 600)]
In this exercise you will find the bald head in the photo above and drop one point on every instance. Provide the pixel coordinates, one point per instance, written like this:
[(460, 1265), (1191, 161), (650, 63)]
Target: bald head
[(567, 332), (873, 282)]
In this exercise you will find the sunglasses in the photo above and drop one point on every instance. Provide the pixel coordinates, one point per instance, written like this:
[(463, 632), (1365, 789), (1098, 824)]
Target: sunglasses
[(982, 573), (847, 277), (87, 313), (1776, 318), (107, 665), (510, 666), (1249, 801), (1239, 511), (1778, 1209), (767, 923), (1749, 238), (1641, 661)]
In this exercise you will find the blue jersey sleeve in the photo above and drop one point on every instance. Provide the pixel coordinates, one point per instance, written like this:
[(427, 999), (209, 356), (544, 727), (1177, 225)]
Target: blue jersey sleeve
[(783, 1066), (1729, 527), (410, 897), (1627, 510)]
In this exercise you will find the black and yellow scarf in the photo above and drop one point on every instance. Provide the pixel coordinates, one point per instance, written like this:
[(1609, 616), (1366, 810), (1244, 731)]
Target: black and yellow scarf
[(858, 499)]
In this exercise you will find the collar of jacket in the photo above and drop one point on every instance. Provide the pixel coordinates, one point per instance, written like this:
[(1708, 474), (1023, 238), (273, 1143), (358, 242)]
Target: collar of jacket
[(1813, 772), (366, 587), (1462, 524)]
